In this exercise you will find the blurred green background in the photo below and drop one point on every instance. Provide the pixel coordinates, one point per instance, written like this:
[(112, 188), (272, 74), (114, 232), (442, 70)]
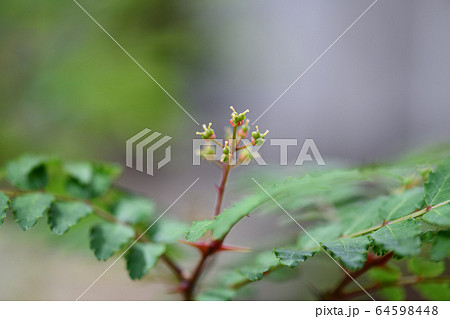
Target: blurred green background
[(67, 88)]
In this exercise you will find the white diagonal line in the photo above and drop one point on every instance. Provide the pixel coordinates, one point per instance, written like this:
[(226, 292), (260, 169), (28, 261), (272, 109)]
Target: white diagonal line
[(136, 62), (137, 239), (307, 233), (315, 61)]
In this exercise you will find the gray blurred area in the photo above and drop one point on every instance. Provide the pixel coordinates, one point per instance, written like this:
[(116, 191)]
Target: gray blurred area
[(383, 89)]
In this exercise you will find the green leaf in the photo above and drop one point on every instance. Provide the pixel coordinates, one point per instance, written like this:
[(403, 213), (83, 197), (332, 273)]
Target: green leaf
[(198, 229), (285, 192), (87, 180), (362, 216), (264, 262), (393, 293), (385, 274), (231, 278), (352, 252), (167, 231), (438, 216), (29, 208), (63, 215), (399, 205), (107, 238), (403, 238), (4, 203), (292, 258), (437, 187), (217, 294), (229, 217), (28, 172), (133, 210), (434, 291), (322, 233), (253, 273), (425, 268), (441, 246), (143, 257)]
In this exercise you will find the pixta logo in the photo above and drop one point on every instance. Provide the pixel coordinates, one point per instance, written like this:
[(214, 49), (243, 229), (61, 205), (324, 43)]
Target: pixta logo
[(145, 148)]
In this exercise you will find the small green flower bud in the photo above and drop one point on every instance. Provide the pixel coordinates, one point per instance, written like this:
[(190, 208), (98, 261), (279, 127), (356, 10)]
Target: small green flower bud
[(208, 132)]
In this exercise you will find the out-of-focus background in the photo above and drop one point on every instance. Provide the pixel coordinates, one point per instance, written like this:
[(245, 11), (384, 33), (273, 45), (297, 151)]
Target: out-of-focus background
[(66, 88)]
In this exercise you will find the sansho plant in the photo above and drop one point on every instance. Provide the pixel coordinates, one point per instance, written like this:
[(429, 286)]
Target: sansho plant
[(387, 225)]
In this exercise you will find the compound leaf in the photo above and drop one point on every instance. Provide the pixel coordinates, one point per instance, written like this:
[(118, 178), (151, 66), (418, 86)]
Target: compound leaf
[(29, 208), (63, 215), (107, 238), (4, 203), (143, 257), (352, 252), (292, 258), (403, 238)]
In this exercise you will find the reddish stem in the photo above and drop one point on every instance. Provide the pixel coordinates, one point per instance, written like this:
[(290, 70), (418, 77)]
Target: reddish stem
[(372, 261), (214, 245)]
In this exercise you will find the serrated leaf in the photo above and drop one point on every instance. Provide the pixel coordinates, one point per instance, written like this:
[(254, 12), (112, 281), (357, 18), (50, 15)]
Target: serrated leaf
[(167, 231), (385, 274), (28, 172), (29, 208), (438, 216), (321, 233), (4, 203), (63, 215), (425, 268), (198, 229), (434, 291), (217, 294), (264, 262), (107, 238), (441, 246), (403, 238), (399, 205), (87, 180), (80, 171), (437, 187), (253, 273), (362, 216), (393, 293), (285, 192), (143, 257), (352, 252), (133, 210), (229, 217), (292, 258)]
